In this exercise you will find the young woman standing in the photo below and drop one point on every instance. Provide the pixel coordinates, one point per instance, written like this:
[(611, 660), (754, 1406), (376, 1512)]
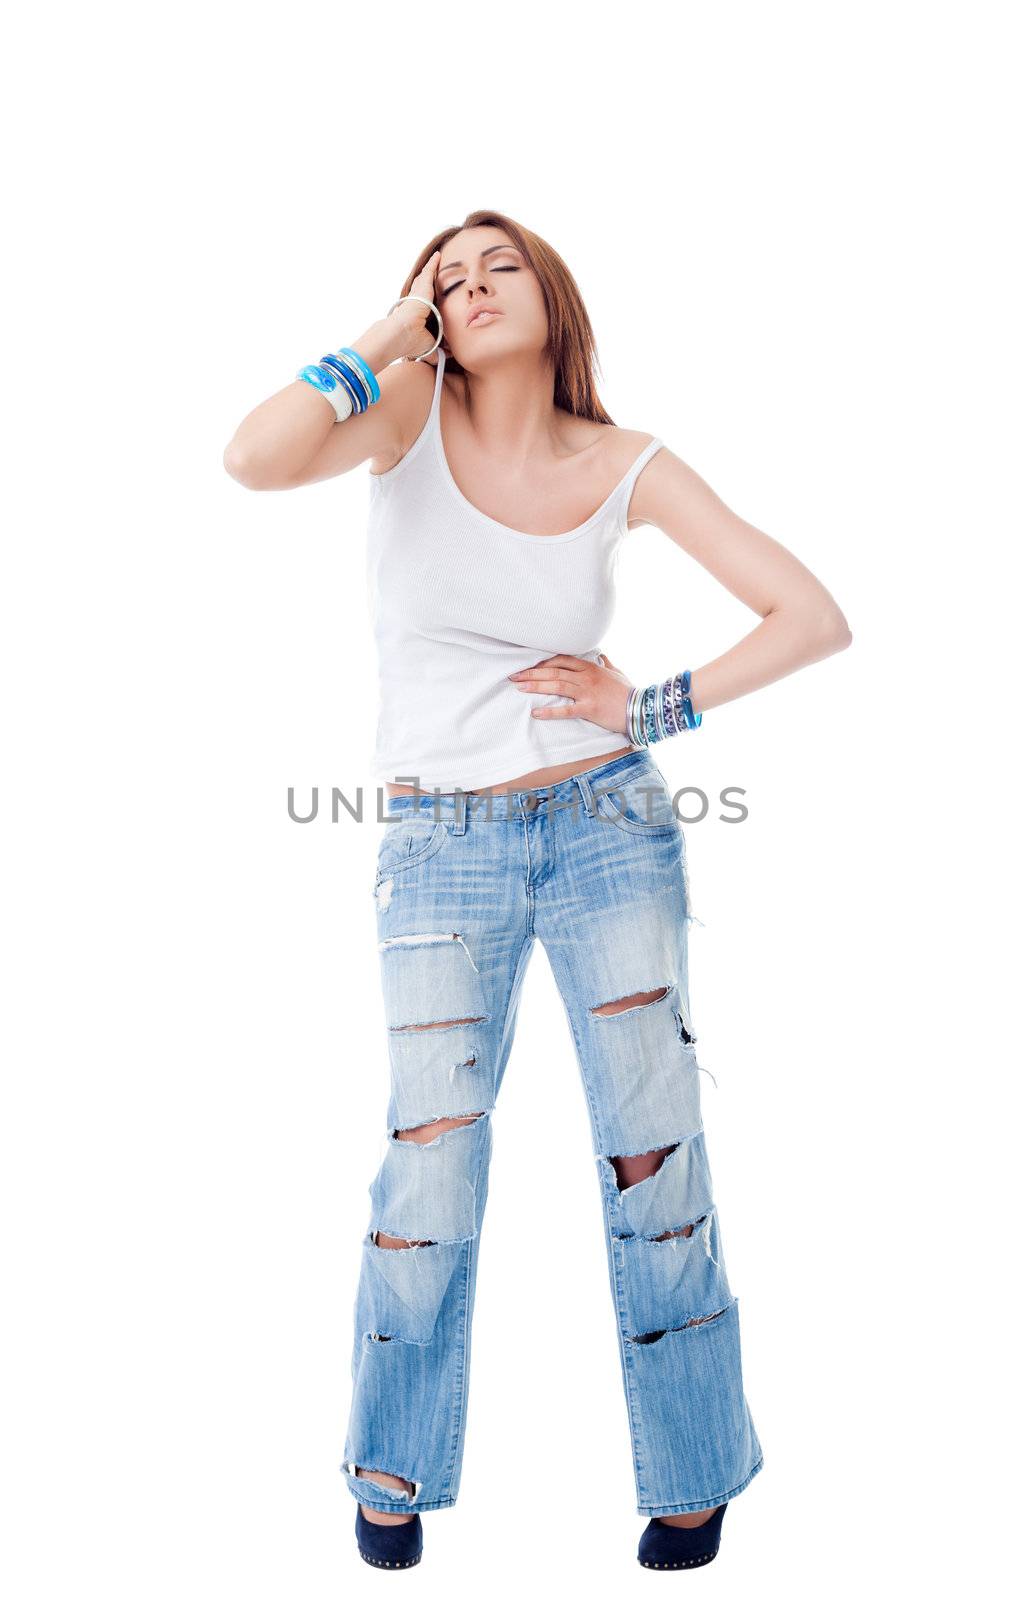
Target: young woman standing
[(525, 804)]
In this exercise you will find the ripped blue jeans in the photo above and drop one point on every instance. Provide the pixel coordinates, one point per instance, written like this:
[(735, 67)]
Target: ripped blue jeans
[(595, 867)]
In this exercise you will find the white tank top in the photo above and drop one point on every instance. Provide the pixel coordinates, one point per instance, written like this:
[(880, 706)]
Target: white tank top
[(458, 601)]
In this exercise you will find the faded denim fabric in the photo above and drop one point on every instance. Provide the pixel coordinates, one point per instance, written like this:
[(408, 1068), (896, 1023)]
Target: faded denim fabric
[(595, 868)]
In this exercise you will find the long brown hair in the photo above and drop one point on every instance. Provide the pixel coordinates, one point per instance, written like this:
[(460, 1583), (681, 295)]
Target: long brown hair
[(570, 342)]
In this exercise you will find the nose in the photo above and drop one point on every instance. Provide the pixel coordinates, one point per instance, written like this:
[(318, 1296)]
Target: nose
[(477, 280)]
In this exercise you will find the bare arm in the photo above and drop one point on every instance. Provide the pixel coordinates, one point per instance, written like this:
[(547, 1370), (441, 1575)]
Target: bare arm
[(294, 437), (801, 621)]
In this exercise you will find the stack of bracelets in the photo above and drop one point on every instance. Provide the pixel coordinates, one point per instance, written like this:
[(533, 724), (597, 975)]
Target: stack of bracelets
[(345, 380), (661, 710)]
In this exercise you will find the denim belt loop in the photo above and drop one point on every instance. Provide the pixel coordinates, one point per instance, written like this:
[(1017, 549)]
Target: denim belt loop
[(459, 812), (586, 793)]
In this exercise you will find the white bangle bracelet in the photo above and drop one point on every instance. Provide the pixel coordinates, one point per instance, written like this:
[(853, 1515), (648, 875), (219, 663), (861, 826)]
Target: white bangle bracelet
[(329, 383), (340, 401)]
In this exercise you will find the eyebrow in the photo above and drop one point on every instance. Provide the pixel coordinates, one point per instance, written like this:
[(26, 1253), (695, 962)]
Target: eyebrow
[(488, 252)]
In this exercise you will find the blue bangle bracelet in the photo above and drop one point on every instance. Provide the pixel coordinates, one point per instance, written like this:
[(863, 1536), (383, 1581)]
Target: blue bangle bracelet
[(318, 378), (350, 369), (350, 383), (372, 382)]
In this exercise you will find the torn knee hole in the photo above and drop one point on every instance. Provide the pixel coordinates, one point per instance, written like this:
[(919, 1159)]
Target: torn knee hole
[(422, 1027), (671, 1233), (678, 1233), (427, 1131), (389, 1241), (693, 1322), (634, 1169), (612, 1008)]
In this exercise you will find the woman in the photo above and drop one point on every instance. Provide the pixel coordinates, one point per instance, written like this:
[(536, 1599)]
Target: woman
[(525, 803)]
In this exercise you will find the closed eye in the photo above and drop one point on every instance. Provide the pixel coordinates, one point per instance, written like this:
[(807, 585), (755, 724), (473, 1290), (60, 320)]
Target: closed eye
[(459, 281)]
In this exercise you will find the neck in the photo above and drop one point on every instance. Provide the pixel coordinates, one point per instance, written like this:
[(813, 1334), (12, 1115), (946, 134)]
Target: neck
[(509, 408)]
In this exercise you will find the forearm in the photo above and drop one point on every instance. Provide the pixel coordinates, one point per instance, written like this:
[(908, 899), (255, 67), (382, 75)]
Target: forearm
[(783, 642), (281, 435)]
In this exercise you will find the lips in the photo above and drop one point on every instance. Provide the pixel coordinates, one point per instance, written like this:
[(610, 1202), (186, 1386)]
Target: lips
[(485, 313)]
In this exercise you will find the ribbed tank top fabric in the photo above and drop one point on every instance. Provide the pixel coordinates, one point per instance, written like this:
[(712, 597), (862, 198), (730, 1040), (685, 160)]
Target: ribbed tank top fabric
[(458, 601)]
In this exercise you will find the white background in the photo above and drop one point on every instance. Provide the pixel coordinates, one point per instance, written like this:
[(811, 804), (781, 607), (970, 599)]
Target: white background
[(794, 227)]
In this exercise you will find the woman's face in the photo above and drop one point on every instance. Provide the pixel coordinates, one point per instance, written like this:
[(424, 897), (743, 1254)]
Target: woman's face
[(482, 269)]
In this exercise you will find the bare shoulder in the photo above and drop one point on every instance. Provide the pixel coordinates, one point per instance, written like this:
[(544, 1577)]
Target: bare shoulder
[(604, 439), (613, 451)]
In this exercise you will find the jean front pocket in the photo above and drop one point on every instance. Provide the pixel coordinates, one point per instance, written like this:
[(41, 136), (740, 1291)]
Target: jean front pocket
[(408, 842), (641, 803)]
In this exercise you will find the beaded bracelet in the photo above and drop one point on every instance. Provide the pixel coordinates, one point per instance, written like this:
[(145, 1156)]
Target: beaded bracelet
[(661, 709), (345, 380)]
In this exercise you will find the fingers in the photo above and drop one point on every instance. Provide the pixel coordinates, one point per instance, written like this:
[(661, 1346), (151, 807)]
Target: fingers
[(550, 683), (583, 683), (427, 272), (546, 666)]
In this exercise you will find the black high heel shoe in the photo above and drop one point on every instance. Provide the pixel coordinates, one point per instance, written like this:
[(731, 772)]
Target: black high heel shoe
[(389, 1544), (664, 1546)]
